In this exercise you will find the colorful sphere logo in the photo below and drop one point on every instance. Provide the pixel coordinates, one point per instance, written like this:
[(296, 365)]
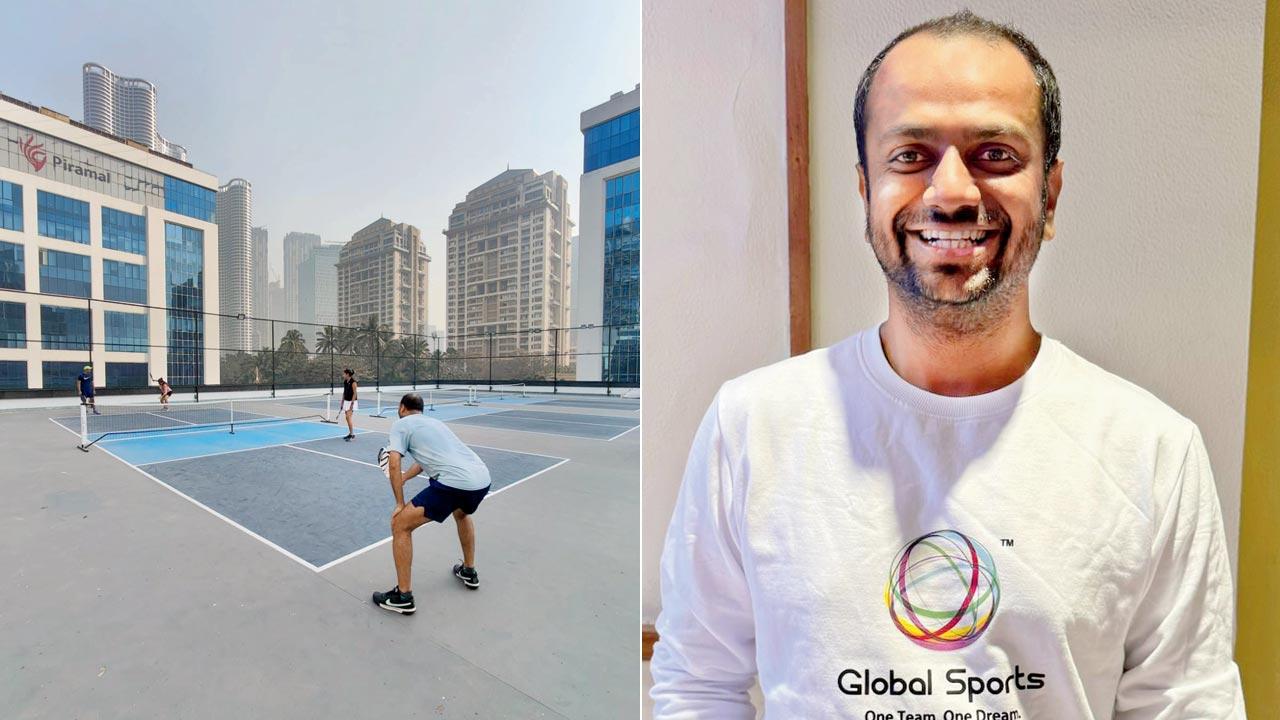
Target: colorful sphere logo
[(943, 591)]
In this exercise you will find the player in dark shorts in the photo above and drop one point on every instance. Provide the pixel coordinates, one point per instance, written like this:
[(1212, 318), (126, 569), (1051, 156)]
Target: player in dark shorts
[(165, 392), (84, 381), (458, 481), (350, 393)]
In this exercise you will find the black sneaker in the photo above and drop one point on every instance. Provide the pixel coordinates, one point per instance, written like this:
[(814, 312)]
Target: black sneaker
[(395, 601), (467, 575)]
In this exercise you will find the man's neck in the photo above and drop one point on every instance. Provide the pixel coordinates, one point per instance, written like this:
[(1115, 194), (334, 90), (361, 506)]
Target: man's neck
[(959, 365)]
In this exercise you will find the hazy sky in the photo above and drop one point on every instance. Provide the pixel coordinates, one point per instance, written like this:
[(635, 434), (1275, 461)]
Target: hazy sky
[(339, 112)]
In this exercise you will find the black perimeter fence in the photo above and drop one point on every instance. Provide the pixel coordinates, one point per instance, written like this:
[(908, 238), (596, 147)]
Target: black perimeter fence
[(267, 354)]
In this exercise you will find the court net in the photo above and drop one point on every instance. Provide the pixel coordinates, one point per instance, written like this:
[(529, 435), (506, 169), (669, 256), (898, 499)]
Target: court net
[(388, 402), (106, 420)]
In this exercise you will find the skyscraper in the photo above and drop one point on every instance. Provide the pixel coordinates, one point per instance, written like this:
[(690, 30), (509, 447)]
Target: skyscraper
[(298, 246), (382, 273), (608, 294), (236, 263), (261, 277), (125, 107), (318, 286), (507, 270)]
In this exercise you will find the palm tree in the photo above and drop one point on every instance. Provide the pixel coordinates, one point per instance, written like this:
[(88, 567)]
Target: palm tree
[(293, 342), (328, 339)]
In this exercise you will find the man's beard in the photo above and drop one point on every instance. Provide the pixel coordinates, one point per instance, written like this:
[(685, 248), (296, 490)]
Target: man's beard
[(988, 295)]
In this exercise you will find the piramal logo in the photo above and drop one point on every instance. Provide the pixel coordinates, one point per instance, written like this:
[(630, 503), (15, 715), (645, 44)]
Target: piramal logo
[(33, 152), (943, 591)]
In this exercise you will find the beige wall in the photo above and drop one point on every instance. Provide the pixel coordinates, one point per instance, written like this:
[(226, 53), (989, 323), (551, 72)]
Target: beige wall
[(714, 295), (1149, 276)]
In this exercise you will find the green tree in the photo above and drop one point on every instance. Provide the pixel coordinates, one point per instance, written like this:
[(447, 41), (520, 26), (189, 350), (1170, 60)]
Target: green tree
[(328, 340)]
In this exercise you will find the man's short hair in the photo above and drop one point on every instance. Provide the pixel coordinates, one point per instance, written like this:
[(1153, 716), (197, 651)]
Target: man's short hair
[(967, 23), (412, 402)]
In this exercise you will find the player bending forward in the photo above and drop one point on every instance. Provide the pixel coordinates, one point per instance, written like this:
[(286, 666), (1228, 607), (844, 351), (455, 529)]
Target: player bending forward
[(458, 481)]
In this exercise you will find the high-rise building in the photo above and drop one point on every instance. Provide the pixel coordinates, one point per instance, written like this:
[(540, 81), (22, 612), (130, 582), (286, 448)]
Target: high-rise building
[(298, 246), (276, 308), (236, 263), (95, 234), (382, 273), (261, 279), (261, 271), (608, 267), (318, 286), (507, 264), (125, 107)]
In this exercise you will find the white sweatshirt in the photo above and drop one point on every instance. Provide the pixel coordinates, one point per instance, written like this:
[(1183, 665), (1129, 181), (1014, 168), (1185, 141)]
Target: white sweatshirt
[(1053, 549)]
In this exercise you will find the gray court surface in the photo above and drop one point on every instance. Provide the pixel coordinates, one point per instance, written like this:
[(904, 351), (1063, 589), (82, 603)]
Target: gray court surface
[(124, 599), (596, 403), (573, 424), (315, 508)]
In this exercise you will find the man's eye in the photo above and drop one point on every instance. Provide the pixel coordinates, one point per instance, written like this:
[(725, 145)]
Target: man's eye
[(908, 156), (996, 155)]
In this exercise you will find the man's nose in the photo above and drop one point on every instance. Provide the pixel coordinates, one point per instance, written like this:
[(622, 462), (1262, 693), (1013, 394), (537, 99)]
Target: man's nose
[(952, 187)]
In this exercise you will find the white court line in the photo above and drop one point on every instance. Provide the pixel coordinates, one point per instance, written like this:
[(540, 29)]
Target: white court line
[(624, 432), (167, 417), (215, 513), (502, 449), (238, 450), (317, 452), (385, 540), (529, 432), (575, 422), (221, 428), (64, 427), (535, 432)]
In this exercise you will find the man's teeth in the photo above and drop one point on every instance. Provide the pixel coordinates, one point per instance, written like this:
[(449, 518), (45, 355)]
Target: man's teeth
[(953, 238)]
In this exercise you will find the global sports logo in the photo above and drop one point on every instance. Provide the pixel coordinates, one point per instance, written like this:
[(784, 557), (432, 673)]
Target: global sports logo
[(943, 590), (34, 152)]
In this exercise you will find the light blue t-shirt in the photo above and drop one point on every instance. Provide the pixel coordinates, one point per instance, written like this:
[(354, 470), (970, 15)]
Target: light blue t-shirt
[(439, 452)]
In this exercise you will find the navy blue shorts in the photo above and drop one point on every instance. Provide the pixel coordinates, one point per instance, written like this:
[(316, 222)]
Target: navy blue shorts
[(439, 501)]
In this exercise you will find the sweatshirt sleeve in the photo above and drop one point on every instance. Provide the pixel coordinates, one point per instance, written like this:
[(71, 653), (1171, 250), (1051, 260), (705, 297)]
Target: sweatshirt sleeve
[(704, 662), (1178, 660)]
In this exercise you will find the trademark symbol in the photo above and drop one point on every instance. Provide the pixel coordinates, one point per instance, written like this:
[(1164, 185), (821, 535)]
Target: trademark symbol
[(1006, 542)]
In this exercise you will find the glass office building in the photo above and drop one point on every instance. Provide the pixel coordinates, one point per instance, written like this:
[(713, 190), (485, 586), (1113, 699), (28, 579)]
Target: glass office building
[(607, 272), (107, 252)]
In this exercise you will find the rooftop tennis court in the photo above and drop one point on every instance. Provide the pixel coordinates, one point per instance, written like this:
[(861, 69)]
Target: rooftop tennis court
[(216, 559)]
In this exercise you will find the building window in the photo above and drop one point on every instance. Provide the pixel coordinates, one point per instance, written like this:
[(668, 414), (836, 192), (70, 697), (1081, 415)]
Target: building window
[(13, 325), (127, 374), (12, 273), (622, 278), (63, 273), (124, 231), (64, 328), (188, 199), (11, 212), (13, 374), (611, 141), (184, 289), (126, 332), (59, 374), (62, 217), (124, 282)]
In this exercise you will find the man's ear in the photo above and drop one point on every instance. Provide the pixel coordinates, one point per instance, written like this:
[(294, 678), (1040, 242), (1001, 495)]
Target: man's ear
[(862, 195), (1051, 198)]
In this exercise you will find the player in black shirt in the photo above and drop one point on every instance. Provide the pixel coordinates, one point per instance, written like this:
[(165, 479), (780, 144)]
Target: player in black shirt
[(350, 392)]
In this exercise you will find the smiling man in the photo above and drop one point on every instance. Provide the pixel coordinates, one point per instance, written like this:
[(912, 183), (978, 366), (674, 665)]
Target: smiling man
[(949, 513)]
